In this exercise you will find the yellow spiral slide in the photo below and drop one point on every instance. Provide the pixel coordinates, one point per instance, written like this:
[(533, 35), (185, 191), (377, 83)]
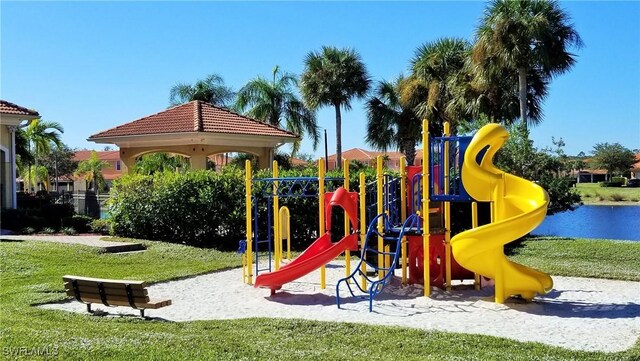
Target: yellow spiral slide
[(519, 206)]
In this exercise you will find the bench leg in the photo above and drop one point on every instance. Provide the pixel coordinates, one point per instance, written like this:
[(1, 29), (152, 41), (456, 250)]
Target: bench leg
[(142, 312), (89, 308)]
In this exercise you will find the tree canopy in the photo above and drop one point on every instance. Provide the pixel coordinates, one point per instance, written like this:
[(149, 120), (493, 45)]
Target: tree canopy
[(275, 102), (392, 123), (525, 36), (149, 164), (210, 89), (615, 158)]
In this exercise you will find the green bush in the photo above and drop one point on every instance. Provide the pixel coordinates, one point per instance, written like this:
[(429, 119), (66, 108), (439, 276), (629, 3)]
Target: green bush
[(47, 215), (28, 230), (207, 209), (611, 184), (198, 208), (79, 222), (616, 197), (69, 231), (622, 180), (48, 230), (102, 226)]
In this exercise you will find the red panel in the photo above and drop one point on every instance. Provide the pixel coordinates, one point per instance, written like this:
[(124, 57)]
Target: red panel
[(436, 262), (347, 200)]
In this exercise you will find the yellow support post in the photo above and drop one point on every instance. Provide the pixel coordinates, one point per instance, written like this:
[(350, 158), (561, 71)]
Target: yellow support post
[(347, 224), (425, 208), (321, 171), (379, 183), (249, 250), (403, 216), (387, 258), (447, 211), (474, 224), (276, 220), (363, 227), (285, 223)]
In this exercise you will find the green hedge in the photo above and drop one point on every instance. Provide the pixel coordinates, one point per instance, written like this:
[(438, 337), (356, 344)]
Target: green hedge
[(45, 216), (207, 209), (611, 184), (79, 222)]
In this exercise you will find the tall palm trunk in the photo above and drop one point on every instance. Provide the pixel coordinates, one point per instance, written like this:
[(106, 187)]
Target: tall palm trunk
[(29, 172), (35, 175), (338, 137), (409, 150), (522, 83)]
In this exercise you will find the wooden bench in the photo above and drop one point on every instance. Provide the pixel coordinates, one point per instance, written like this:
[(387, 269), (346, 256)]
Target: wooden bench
[(111, 293)]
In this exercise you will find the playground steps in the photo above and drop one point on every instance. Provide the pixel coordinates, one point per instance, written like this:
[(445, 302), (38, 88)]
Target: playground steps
[(376, 286)]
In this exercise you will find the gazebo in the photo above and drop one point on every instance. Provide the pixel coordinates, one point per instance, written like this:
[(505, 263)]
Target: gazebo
[(11, 115), (196, 130)]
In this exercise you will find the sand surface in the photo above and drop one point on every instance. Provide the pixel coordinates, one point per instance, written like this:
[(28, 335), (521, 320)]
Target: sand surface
[(579, 314)]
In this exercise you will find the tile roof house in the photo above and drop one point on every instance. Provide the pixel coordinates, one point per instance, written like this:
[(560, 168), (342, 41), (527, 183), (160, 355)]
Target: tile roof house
[(392, 159), (635, 168), (113, 171), (195, 129), (11, 115)]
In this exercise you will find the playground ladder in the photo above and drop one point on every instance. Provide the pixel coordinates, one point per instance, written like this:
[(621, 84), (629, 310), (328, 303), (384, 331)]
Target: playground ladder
[(377, 285)]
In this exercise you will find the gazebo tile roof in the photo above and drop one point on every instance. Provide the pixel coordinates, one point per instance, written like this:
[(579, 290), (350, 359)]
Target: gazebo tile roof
[(195, 116), (10, 108)]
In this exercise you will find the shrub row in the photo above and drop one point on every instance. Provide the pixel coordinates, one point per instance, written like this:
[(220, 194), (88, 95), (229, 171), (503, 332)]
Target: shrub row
[(612, 184), (207, 209), (54, 216)]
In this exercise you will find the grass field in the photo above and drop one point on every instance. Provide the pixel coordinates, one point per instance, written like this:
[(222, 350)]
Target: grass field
[(592, 193), (31, 274)]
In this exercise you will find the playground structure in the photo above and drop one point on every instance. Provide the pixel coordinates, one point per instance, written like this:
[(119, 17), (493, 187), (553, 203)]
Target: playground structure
[(406, 223)]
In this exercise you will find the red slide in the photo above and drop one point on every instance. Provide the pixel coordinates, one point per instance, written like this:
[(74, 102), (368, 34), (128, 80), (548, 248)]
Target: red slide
[(317, 255)]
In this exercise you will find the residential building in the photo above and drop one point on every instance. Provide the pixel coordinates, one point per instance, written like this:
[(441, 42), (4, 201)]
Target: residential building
[(368, 157), (11, 116)]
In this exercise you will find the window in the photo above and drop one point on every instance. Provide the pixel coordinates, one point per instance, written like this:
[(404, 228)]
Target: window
[(117, 165)]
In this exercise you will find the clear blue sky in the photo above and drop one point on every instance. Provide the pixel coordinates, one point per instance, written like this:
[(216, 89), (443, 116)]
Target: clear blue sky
[(92, 66)]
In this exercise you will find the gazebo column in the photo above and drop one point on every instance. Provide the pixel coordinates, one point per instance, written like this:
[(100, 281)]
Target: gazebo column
[(265, 158), (128, 158), (198, 161), (11, 193)]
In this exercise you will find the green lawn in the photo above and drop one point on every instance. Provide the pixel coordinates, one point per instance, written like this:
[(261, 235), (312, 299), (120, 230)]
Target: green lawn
[(592, 193), (31, 274), (581, 257)]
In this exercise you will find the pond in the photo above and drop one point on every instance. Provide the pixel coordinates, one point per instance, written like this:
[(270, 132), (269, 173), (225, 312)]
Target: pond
[(609, 222)]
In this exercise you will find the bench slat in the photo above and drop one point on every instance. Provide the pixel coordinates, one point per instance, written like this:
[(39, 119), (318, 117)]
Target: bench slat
[(118, 291), (119, 285), (110, 297), (151, 304), (89, 280)]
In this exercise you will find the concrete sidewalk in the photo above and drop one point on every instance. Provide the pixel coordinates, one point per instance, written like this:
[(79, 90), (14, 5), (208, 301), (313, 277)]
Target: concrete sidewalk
[(91, 241)]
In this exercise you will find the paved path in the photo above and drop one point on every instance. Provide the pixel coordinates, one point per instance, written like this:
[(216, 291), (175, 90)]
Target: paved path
[(91, 241)]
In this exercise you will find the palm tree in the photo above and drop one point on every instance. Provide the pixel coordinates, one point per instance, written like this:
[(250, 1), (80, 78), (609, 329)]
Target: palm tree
[(41, 135), (527, 35), (390, 123), (334, 77), (492, 91), (152, 163), (211, 90), (23, 155), (436, 67), (275, 102), (91, 171)]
